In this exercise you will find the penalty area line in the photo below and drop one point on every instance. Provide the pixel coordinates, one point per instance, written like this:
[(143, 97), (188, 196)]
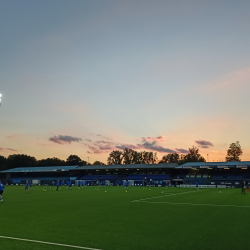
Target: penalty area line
[(169, 194), (48, 243), (191, 204)]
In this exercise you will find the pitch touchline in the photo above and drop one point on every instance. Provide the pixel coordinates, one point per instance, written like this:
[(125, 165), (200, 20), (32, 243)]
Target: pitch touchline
[(49, 243)]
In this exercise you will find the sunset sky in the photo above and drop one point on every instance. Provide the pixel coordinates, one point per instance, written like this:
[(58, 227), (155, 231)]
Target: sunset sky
[(87, 77)]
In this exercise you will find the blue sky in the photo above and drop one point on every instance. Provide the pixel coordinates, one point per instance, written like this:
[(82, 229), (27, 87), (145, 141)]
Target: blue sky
[(101, 75)]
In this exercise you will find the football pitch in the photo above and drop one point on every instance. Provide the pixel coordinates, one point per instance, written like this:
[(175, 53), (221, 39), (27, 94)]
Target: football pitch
[(109, 218)]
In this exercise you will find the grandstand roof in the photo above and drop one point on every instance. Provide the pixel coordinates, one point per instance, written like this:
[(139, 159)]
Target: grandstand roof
[(229, 164), (129, 166), (40, 169)]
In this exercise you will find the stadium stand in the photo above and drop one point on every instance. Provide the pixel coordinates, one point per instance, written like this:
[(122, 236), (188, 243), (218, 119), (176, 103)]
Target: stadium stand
[(38, 175), (206, 173)]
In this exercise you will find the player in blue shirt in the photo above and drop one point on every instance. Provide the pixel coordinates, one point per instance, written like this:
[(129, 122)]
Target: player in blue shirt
[(166, 184), (197, 185), (26, 190), (70, 185), (126, 184), (57, 185), (63, 183), (1, 191)]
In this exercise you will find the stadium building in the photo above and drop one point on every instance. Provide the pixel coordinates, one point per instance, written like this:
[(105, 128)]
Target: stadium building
[(210, 174)]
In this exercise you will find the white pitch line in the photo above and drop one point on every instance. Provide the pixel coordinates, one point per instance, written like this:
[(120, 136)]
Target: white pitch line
[(192, 204), (49, 243), (165, 196)]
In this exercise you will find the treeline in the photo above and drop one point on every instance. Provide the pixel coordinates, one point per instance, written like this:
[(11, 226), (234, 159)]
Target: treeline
[(21, 160), (130, 156), (116, 157)]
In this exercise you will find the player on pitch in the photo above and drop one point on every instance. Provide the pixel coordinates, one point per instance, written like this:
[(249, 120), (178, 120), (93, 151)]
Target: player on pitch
[(243, 190), (1, 191), (26, 189)]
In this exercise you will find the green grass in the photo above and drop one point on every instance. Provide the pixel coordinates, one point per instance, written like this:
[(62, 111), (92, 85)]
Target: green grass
[(111, 221)]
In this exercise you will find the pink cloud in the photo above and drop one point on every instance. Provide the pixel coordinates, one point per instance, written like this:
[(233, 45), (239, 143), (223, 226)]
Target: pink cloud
[(64, 139), (8, 149), (159, 138), (149, 143), (204, 144), (123, 146)]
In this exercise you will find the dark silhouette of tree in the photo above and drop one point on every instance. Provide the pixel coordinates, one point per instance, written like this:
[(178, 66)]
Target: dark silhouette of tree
[(137, 157), (128, 156), (234, 152), (194, 156), (115, 157), (20, 160), (182, 159), (51, 162), (3, 162), (98, 163), (149, 157), (74, 160), (170, 158)]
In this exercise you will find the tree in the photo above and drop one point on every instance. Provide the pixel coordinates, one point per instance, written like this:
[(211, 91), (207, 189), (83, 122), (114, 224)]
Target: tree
[(98, 163), (16, 160), (3, 161), (170, 158), (115, 157), (234, 152), (137, 157), (181, 159), (128, 156), (51, 162), (73, 160), (149, 157), (192, 156)]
